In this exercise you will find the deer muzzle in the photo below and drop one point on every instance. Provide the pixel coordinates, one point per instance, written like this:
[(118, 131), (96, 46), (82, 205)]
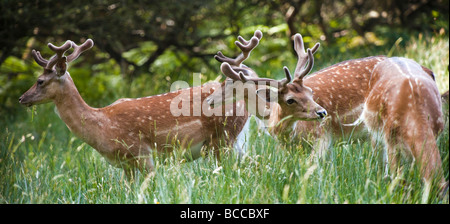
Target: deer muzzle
[(321, 113), (23, 101)]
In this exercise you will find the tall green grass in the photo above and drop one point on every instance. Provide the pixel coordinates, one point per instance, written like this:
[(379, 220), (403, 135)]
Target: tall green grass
[(42, 162)]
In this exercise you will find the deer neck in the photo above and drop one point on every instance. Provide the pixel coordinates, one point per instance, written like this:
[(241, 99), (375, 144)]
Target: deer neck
[(80, 118)]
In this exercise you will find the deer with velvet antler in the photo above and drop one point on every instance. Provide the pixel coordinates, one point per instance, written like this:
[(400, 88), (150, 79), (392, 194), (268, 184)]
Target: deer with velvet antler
[(395, 98), (293, 98)]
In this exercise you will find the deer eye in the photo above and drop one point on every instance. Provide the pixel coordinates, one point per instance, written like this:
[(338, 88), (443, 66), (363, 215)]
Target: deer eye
[(40, 82), (290, 101)]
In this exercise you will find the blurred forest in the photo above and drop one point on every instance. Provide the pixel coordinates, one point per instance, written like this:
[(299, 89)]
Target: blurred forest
[(146, 45)]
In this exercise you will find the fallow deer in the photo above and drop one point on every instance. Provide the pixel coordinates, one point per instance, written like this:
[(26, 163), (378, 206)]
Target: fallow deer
[(404, 105), (393, 96), (293, 100), (371, 91), (128, 131)]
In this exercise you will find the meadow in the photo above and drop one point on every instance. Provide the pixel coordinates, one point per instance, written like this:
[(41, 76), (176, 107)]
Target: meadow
[(42, 162)]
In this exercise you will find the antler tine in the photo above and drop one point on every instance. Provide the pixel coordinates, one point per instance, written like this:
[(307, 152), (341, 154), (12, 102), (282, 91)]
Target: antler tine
[(308, 67), (265, 81), (239, 76), (258, 34), (38, 58), (303, 57), (245, 46), (62, 49), (246, 70), (271, 82), (80, 49), (315, 48), (288, 76), (59, 53), (222, 58), (229, 72)]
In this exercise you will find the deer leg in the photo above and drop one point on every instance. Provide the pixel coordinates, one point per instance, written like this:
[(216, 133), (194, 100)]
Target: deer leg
[(322, 145), (212, 146), (146, 164), (394, 145), (129, 173), (379, 146), (426, 154), (391, 159), (241, 143)]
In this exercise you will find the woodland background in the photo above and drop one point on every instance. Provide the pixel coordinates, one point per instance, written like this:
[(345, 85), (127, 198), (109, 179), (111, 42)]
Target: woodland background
[(158, 42)]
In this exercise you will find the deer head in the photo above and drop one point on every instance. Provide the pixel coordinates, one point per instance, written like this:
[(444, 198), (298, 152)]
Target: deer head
[(294, 98), (51, 82)]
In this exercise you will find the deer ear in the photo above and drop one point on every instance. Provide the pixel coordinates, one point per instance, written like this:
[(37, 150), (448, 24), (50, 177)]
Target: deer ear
[(429, 72), (267, 94), (61, 66)]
